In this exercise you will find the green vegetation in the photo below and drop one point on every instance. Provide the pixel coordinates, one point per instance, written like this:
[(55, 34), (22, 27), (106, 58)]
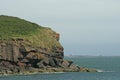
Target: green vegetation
[(14, 27), (38, 36)]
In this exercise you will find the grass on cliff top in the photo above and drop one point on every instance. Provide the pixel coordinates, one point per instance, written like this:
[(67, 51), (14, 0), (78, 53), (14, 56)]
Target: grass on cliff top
[(13, 28)]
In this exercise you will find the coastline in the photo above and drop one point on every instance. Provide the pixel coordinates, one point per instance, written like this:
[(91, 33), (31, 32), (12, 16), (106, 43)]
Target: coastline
[(47, 71)]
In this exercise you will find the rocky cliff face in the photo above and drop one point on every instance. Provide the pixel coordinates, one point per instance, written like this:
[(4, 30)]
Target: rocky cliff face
[(16, 56), (15, 50), (28, 47)]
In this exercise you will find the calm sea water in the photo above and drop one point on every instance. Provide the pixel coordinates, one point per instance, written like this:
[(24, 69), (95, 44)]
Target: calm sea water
[(109, 67)]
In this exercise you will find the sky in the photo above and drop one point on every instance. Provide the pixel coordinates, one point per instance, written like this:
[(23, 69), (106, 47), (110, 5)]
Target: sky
[(87, 27)]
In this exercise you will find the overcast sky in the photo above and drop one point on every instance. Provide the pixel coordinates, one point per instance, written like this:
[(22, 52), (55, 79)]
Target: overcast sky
[(87, 27)]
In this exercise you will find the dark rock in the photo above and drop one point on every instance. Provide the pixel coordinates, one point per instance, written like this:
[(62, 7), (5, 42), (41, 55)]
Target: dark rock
[(43, 63), (52, 62), (23, 50), (58, 62)]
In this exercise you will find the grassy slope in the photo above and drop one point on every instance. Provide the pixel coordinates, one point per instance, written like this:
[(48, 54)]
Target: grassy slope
[(13, 27)]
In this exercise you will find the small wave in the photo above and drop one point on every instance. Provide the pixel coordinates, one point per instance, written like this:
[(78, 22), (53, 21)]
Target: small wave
[(99, 70)]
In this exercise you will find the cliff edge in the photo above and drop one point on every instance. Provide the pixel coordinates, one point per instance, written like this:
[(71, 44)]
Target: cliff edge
[(26, 47)]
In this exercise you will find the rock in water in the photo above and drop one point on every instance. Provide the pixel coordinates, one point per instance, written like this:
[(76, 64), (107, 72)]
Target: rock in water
[(26, 46)]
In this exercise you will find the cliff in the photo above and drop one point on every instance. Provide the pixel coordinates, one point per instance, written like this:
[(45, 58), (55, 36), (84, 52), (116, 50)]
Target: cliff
[(29, 47)]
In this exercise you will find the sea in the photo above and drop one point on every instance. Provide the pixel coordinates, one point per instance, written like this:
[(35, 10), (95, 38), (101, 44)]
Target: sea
[(108, 69)]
